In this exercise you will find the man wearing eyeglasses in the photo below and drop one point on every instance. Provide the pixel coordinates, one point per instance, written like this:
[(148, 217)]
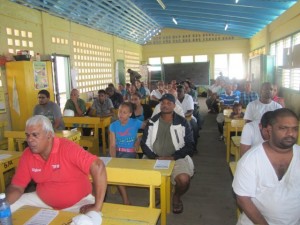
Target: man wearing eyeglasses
[(49, 109)]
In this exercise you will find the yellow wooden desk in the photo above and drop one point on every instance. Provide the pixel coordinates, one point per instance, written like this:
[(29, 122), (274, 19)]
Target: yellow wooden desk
[(112, 215), (148, 164), (228, 129), (7, 164), (97, 122), (20, 137)]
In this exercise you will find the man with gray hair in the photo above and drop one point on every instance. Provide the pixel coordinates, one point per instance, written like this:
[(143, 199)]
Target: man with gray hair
[(61, 170)]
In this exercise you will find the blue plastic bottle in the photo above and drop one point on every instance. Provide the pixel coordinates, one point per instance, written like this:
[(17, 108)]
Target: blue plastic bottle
[(5, 213)]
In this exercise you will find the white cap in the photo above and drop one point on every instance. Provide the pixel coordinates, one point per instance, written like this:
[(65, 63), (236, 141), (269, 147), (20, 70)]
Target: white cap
[(2, 196)]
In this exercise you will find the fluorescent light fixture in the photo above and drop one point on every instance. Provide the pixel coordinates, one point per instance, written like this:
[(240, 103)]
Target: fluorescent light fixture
[(236, 1), (226, 26), (161, 4), (174, 20)]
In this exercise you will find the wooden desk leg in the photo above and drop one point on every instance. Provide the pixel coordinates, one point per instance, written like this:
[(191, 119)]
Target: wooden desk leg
[(228, 143), (2, 182), (163, 200), (168, 195), (103, 140)]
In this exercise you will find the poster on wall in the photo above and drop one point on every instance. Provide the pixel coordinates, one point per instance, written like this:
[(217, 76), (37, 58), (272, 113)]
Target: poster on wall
[(40, 75)]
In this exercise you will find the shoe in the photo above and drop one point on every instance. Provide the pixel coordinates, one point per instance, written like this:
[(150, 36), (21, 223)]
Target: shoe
[(178, 207), (221, 138)]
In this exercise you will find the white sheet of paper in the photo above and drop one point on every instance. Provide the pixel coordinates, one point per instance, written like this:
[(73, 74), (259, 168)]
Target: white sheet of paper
[(106, 160), (162, 164), (43, 217), (4, 156)]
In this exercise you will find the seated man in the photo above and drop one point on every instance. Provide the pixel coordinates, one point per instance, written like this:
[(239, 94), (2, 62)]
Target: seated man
[(187, 105), (115, 97), (76, 104), (247, 95), (178, 108), (49, 109), (227, 100), (61, 170), (157, 93), (258, 107), (168, 136), (267, 177), (102, 106), (255, 133)]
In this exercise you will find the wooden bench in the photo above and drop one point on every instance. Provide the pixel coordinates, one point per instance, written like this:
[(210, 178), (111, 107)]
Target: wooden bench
[(133, 177)]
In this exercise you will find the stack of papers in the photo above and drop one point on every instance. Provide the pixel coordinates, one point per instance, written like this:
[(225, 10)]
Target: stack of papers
[(162, 164), (43, 217)]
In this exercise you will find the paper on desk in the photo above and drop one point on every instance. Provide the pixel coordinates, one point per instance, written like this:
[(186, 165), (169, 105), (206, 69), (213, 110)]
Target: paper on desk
[(162, 164), (43, 217), (105, 160), (4, 156)]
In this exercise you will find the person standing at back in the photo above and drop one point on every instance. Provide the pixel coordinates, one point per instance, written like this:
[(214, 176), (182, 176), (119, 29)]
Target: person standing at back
[(49, 109)]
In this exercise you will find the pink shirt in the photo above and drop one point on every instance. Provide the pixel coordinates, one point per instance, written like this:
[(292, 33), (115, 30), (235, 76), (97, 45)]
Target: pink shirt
[(63, 179)]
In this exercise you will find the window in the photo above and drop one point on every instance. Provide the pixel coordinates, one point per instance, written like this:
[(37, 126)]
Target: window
[(167, 60), (236, 66), (154, 61), (221, 65), (186, 59), (201, 58), (286, 61), (230, 65)]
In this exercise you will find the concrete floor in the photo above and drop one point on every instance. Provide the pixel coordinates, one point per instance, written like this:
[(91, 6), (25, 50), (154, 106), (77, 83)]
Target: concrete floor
[(209, 201)]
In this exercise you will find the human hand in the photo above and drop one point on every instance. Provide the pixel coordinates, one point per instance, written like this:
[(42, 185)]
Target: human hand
[(89, 207)]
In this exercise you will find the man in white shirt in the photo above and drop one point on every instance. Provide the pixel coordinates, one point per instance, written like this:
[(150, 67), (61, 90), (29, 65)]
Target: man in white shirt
[(255, 133), (267, 178), (257, 108), (187, 104)]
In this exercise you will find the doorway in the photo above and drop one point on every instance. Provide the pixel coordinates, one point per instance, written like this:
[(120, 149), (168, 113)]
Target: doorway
[(61, 78)]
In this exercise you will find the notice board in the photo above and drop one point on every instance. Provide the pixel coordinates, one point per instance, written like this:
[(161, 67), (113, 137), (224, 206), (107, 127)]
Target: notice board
[(197, 72)]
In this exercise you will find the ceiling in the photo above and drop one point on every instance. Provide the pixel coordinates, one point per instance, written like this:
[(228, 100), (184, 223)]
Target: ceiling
[(139, 20)]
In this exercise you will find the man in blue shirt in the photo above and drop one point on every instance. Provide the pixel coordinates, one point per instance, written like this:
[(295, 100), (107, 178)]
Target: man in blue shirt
[(227, 100), (248, 95)]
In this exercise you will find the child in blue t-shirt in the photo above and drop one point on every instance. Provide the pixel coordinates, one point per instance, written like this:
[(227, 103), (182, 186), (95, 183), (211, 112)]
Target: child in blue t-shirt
[(123, 138)]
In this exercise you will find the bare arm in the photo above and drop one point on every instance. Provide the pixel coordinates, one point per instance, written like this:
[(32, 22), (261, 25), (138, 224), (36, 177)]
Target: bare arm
[(13, 193), (189, 113), (98, 173), (112, 144), (244, 149), (78, 109), (250, 210)]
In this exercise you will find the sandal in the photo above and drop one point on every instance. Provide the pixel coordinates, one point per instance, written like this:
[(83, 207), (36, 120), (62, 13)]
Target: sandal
[(178, 207)]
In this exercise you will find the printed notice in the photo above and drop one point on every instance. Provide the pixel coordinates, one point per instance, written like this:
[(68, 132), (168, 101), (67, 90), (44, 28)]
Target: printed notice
[(105, 160), (43, 217), (162, 164)]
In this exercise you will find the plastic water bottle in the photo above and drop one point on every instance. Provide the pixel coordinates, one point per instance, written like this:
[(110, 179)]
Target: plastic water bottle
[(5, 213)]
